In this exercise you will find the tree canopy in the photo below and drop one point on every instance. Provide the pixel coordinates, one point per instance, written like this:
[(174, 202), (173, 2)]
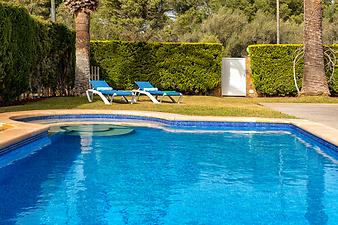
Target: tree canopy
[(234, 23), (40, 8)]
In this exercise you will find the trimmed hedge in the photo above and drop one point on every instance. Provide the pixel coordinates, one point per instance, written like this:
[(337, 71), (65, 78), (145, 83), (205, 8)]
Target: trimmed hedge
[(272, 69), (34, 55), (189, 68)]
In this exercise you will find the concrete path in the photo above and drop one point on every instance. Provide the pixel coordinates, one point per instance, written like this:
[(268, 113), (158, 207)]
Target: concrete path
[(326, 114)]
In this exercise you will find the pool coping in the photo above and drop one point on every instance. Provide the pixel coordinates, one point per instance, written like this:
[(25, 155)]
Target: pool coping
[(18, 131)]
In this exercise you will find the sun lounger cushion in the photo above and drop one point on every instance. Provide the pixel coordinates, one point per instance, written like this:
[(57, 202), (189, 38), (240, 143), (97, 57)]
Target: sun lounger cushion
[(172, 93), (150, 89), (104, 89)]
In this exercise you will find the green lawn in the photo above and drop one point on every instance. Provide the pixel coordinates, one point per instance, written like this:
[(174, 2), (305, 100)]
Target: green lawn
[(192, 105)]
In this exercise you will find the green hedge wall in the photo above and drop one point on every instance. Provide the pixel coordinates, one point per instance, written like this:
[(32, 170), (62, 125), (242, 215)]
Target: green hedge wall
[(189, 68), (34, 55), (272, 69)]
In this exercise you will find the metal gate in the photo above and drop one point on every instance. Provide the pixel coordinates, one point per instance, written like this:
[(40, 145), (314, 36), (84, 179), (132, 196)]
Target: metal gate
[(233, 77)]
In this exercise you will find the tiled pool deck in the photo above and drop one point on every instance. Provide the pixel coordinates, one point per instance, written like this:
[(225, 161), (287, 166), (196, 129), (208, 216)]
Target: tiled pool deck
[(17, 131)]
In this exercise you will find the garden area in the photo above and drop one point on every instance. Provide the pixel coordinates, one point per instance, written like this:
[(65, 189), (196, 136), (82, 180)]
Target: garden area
[(48, 69), (192, 105)]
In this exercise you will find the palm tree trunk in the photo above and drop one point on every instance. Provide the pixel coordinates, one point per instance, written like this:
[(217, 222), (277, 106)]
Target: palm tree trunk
[(314, 80), (82, 71)]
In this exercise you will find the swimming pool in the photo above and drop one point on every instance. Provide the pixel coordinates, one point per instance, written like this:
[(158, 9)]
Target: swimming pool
[(181, 173)]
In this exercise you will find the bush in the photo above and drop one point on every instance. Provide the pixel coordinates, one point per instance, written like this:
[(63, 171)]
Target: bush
[(272, 69), (189, 68), (34, 55)]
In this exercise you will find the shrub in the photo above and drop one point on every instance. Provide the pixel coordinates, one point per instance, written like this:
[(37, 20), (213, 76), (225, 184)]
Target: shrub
[(189, 68), (34, 55), (272, 69)]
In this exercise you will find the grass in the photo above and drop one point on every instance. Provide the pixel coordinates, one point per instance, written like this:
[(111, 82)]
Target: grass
[(192, 105)]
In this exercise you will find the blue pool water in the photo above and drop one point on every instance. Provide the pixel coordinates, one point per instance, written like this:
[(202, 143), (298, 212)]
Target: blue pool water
[(151, 176)]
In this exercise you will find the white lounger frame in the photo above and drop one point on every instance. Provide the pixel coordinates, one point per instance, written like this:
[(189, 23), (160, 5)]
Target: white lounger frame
[(90, 95), (154, 99)]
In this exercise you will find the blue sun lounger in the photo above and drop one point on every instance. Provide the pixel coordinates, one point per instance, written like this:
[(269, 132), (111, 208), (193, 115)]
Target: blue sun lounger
[(102, 89), (148, 89)]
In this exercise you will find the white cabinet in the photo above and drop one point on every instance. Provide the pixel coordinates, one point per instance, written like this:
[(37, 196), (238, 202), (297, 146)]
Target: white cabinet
[(233, 77)]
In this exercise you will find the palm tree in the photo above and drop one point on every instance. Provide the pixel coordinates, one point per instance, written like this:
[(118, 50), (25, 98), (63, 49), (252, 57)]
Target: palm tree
[(82, 10), (314, 80)]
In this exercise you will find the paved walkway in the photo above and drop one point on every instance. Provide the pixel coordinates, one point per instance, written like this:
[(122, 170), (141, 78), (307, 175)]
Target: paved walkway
[(326, 114)]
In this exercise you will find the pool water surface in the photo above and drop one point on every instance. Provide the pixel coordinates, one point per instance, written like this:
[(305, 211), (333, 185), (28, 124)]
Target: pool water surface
[(152, 176)]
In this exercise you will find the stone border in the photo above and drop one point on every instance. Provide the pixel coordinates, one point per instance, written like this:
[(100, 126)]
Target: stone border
[(17, 131)]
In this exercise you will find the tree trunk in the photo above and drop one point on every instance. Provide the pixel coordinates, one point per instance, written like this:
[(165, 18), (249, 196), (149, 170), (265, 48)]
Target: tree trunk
[(314, 80), (82, 71)]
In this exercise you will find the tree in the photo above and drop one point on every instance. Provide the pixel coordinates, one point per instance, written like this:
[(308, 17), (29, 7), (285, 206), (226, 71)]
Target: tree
[(314, 80), (228, 32), (82, 10), (34, 7), (247, 21), (39, 8), (132, 20)]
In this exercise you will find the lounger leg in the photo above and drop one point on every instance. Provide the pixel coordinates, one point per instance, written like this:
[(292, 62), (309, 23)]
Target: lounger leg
[(172, 99), (152, 98), (133, 99), (137, 96), (180, 99), (125, 99), (104, 99), (89, 96)]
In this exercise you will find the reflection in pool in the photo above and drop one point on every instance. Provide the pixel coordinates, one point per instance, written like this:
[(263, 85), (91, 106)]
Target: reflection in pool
[(152, 176)]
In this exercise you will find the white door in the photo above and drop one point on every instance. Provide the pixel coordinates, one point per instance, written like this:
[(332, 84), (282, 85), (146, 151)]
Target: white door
[(233, 77)]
